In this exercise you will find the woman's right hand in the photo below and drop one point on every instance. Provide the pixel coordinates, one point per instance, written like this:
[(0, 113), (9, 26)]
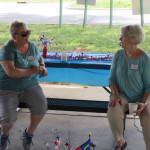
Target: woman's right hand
[(114, 100), (42, 72), (141, 107)]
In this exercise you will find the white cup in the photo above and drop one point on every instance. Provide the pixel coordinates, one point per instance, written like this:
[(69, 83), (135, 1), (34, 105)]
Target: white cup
[(132, 108), (64, 56)]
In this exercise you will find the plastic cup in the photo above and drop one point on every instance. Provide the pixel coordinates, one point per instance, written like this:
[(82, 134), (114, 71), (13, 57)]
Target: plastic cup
[(64, 56), (132, 108)]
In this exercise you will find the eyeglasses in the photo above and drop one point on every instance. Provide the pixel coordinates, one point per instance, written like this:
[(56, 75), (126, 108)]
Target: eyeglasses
[(25, 34)]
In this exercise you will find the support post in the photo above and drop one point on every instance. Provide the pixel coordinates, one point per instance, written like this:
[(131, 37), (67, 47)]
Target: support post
[(111, 13), (85, 13), (60, 16), (142, 13)]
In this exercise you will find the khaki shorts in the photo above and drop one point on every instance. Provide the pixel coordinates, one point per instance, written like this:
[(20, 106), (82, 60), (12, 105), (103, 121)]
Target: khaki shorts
[(33, 97)]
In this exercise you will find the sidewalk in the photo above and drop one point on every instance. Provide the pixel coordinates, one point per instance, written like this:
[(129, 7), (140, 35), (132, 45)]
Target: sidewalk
[(48, 13)]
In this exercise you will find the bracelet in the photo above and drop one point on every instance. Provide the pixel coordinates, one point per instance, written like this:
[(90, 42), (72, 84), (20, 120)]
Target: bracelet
[(42, 65)]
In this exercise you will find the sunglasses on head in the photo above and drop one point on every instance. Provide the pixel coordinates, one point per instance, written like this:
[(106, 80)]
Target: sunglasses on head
[(25, 34)]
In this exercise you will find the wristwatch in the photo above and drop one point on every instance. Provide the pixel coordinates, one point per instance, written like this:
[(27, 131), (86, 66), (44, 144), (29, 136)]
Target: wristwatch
[(146, 103), (42, 65)]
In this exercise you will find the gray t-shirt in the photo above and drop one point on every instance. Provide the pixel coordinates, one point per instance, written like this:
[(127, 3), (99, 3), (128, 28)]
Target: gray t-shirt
[(10, 53)]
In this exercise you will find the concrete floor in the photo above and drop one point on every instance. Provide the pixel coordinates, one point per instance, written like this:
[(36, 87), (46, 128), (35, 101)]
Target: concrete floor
[(79, 123), (74, 91)]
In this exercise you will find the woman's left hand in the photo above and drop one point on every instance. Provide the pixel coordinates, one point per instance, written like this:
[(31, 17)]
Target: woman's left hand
[(42, 72), (141, 107)]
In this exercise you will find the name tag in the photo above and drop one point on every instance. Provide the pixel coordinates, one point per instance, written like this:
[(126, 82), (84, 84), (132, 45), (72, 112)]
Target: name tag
[(30, 58), (134, 66)]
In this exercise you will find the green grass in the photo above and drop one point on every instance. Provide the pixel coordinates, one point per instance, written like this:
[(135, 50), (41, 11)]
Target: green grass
[(95, 38), (106, 4), (99, 3)]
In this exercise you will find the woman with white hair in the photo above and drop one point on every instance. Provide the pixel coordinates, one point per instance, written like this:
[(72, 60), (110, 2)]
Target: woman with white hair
[(129, 82)]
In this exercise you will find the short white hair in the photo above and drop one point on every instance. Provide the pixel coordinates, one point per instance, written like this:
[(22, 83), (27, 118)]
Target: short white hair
[(134, 32)]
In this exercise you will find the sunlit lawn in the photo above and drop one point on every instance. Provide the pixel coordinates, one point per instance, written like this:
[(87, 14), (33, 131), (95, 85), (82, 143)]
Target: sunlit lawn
[(95, 38)]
